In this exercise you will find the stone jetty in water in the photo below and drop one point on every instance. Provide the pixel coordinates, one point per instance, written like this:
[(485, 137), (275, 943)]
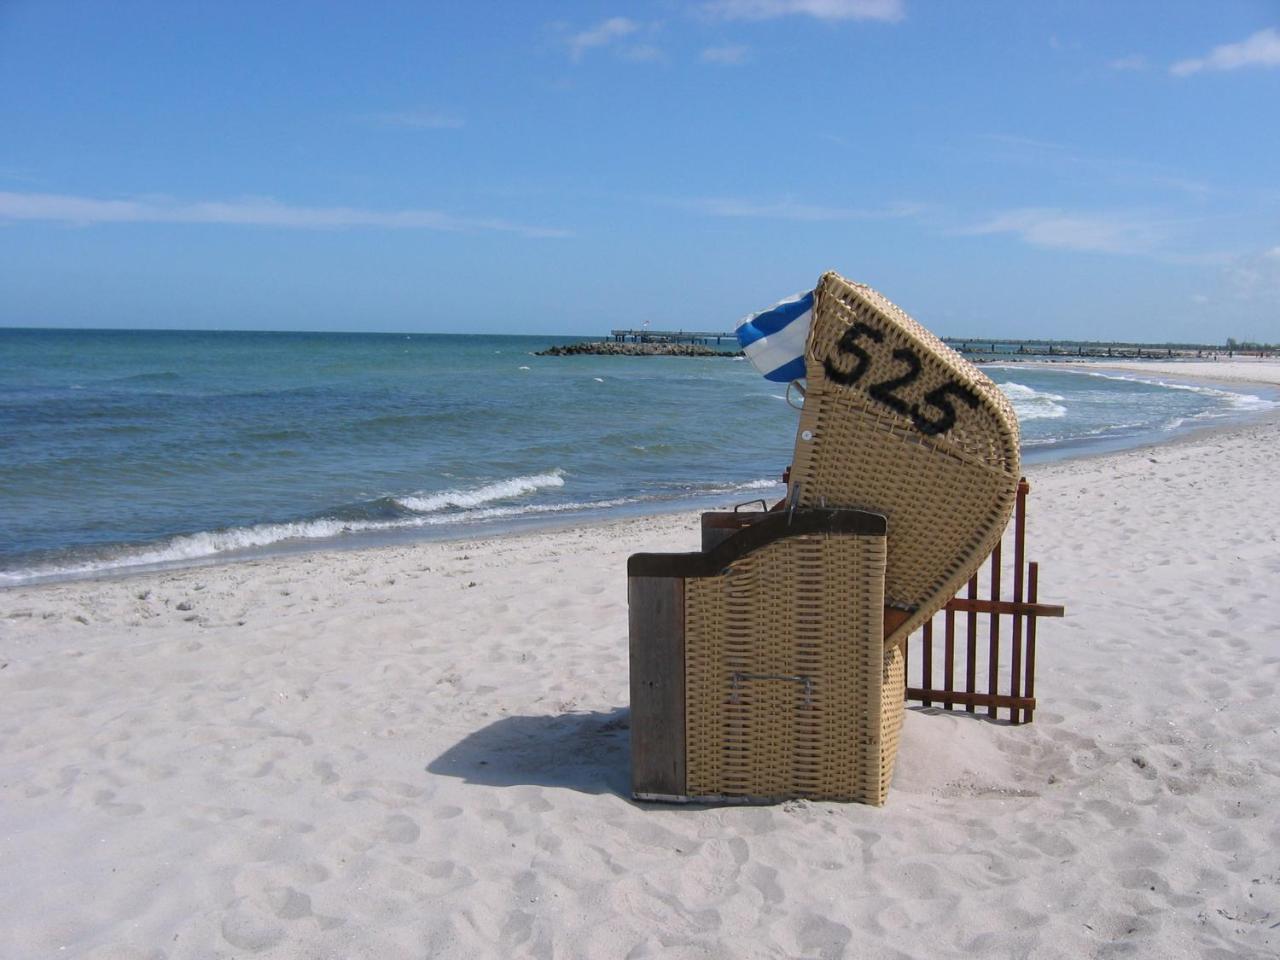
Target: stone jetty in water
[(611, 348)]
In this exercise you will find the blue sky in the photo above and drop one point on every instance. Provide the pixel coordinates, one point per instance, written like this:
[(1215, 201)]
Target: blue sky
[(1071, 169)]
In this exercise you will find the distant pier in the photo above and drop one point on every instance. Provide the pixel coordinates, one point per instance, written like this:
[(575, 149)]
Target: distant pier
[(988, 346)]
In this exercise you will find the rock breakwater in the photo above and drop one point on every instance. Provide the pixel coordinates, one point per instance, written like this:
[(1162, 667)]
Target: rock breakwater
[(612, 348)]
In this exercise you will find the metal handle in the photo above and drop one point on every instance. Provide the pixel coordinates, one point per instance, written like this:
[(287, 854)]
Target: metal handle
[(738, 677), (798, 386)]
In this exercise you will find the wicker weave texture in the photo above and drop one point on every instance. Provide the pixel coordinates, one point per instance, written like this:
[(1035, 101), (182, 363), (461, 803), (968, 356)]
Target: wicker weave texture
[(893, 704), (869, 437), (785, 671)]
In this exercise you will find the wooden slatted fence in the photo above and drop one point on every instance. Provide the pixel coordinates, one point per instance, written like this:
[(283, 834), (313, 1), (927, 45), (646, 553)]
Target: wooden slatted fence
[(964, 650)]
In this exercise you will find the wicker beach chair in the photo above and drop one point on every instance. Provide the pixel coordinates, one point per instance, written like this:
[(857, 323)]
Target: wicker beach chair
[(897, 422), (770, 665)]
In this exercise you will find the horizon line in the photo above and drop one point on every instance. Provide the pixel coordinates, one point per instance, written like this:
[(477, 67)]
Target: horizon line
[(1046, 341)]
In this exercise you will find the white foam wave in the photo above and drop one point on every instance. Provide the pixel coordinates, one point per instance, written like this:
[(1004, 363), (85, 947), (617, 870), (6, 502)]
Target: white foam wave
[(1250, 402), (468, 499), (746, 485), (189, 548), (207, 545), (1020, 391), (213, 543), (1218, 413), (496, 513), (1231, 400), (201, 546), (1032, 404), (1242, 401)]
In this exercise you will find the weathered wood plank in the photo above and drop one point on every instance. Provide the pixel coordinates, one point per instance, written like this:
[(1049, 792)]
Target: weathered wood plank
[(656, 610)]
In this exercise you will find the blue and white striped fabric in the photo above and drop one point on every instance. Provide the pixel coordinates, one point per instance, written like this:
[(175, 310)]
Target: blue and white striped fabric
[(774, 339)]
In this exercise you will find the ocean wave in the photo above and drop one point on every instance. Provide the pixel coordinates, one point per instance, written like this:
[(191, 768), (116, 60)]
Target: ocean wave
[(750, 485), (212, 544), (1233, 400), (207, 545), (276, 434), (166, 376), (725, 489), (1250, 402), (467, 499), (1031, 404), (196, 546), (1244, 402), (1110, 429), (532, 509)]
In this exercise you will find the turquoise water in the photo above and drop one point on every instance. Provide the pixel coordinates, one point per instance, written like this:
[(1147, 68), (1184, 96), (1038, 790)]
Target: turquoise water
[(121, 449)]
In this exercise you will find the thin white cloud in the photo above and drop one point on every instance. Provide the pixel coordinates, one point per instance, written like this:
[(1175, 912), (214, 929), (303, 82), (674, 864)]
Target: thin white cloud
[(1118, 233), (889, 11), (1046, 154), (19, 176), (641, 53), (791, 210), (1133, 62), (601, 35), (1262, 49), (265, 212), (729, 55), (418, 120), (1255, 277)]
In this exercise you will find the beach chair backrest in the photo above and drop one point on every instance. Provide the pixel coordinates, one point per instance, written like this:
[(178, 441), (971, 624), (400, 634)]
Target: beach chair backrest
[(898, 423)]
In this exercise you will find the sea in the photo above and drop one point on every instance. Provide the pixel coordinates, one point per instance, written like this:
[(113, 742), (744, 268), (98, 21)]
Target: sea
[(122, 450)]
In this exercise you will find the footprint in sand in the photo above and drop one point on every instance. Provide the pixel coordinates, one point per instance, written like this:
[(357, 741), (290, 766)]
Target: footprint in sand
[(106, 798), (288, 903), (398, 828), (254, 934)]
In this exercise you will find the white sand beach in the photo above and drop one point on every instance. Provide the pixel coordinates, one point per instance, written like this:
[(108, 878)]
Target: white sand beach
[(1224, 370), (421, 751)]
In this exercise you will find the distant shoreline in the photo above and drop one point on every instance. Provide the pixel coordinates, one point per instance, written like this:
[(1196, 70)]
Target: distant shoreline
[(1239, 369)]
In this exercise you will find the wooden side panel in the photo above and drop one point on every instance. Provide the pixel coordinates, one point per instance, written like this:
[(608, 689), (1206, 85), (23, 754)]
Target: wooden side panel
[(656, 606)]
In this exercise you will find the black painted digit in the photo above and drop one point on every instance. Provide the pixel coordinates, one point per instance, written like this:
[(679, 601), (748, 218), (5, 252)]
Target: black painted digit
[(849, 344), (883, 391), (938, 398)]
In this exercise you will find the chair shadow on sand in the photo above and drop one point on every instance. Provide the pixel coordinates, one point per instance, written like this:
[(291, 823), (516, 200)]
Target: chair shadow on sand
[(589, 752)]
